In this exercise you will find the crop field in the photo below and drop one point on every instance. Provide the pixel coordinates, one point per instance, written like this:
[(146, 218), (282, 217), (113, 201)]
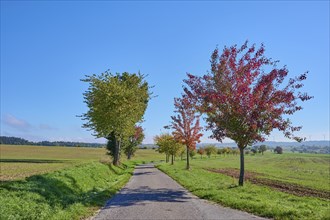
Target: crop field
[(287, 186), (18, 162)]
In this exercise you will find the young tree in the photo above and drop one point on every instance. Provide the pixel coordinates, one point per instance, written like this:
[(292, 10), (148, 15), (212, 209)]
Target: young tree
[(116, 103), (131, 144), (192, 153), (201, 152), (168, 145), (278, 150), (243, 100), (185, 125), (254, 149), (262, 148), (211, 149)]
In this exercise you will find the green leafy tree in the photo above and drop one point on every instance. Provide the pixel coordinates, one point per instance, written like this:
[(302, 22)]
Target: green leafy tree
[(219, 151), (168, 145), (262, 149), (192, 153), (116, 102), (278, 150), (210, 149)]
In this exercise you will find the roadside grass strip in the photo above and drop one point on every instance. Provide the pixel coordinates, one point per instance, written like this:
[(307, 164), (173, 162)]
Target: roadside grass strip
[(72, 193)]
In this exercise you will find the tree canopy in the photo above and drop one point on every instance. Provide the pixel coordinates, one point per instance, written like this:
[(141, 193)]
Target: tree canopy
[(185, 124), (245, 96), (168, 145), (116, 102)]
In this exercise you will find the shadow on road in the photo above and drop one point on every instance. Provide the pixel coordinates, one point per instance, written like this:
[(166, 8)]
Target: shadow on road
[(143, 173), (141, 195)]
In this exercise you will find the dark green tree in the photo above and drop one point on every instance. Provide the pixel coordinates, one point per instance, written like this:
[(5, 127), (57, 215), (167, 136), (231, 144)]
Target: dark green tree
[(262, 148)]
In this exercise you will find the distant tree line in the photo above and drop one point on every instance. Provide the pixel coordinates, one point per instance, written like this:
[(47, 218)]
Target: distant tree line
[(21, 141)]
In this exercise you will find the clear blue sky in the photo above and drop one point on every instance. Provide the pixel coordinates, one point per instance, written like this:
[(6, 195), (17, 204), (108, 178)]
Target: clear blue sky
[(47, 47)]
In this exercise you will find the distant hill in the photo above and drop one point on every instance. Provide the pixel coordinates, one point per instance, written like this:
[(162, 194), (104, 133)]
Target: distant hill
[(21, 141), (303, 147), (275, 144)]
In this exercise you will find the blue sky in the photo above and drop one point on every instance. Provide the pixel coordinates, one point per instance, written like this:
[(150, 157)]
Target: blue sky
[(47, 47)]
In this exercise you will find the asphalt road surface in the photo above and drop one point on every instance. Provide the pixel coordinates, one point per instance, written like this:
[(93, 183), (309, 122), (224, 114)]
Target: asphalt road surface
[(151, 194)]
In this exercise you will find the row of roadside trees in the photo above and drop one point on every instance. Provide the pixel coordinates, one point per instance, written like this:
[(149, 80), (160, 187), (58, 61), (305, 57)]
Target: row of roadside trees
[(244, 97)]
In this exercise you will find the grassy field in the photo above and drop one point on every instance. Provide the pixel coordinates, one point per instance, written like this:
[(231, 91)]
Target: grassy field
[(18, 162), (287, 186), (60, 182)]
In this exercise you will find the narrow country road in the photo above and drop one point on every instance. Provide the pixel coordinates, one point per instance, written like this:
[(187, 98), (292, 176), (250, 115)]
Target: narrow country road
[(151, 194)]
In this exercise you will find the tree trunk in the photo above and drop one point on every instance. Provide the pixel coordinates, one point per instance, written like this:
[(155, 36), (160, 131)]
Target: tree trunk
[(241, 173), (116, 154), (129, 156), (172, 159), (188, 165)]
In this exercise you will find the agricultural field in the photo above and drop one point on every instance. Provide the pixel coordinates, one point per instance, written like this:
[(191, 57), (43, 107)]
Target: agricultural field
[(18, 162), (286, 186)]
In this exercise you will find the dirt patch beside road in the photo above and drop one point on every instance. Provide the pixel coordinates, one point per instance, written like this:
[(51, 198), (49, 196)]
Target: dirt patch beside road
[(259, 179)]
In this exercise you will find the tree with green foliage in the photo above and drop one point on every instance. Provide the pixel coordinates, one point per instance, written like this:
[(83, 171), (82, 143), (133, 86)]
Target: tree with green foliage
[(219, 151), (278, 150), (210, 149), (168, 145), (262, 149), (192, 153), (116, 103)]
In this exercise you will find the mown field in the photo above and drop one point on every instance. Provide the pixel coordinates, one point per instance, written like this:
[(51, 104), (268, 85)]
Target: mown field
[(60, 182), (287, 186)]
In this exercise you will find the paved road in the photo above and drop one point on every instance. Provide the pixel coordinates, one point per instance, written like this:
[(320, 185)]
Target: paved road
[(150, 194)]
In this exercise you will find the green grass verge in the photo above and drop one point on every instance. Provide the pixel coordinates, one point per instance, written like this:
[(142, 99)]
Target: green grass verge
[(72, 193), (259, 200)]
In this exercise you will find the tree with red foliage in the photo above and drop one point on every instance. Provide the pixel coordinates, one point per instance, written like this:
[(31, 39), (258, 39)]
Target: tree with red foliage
[(131, 144), (185, 125), (244, 101), (201, 151)]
